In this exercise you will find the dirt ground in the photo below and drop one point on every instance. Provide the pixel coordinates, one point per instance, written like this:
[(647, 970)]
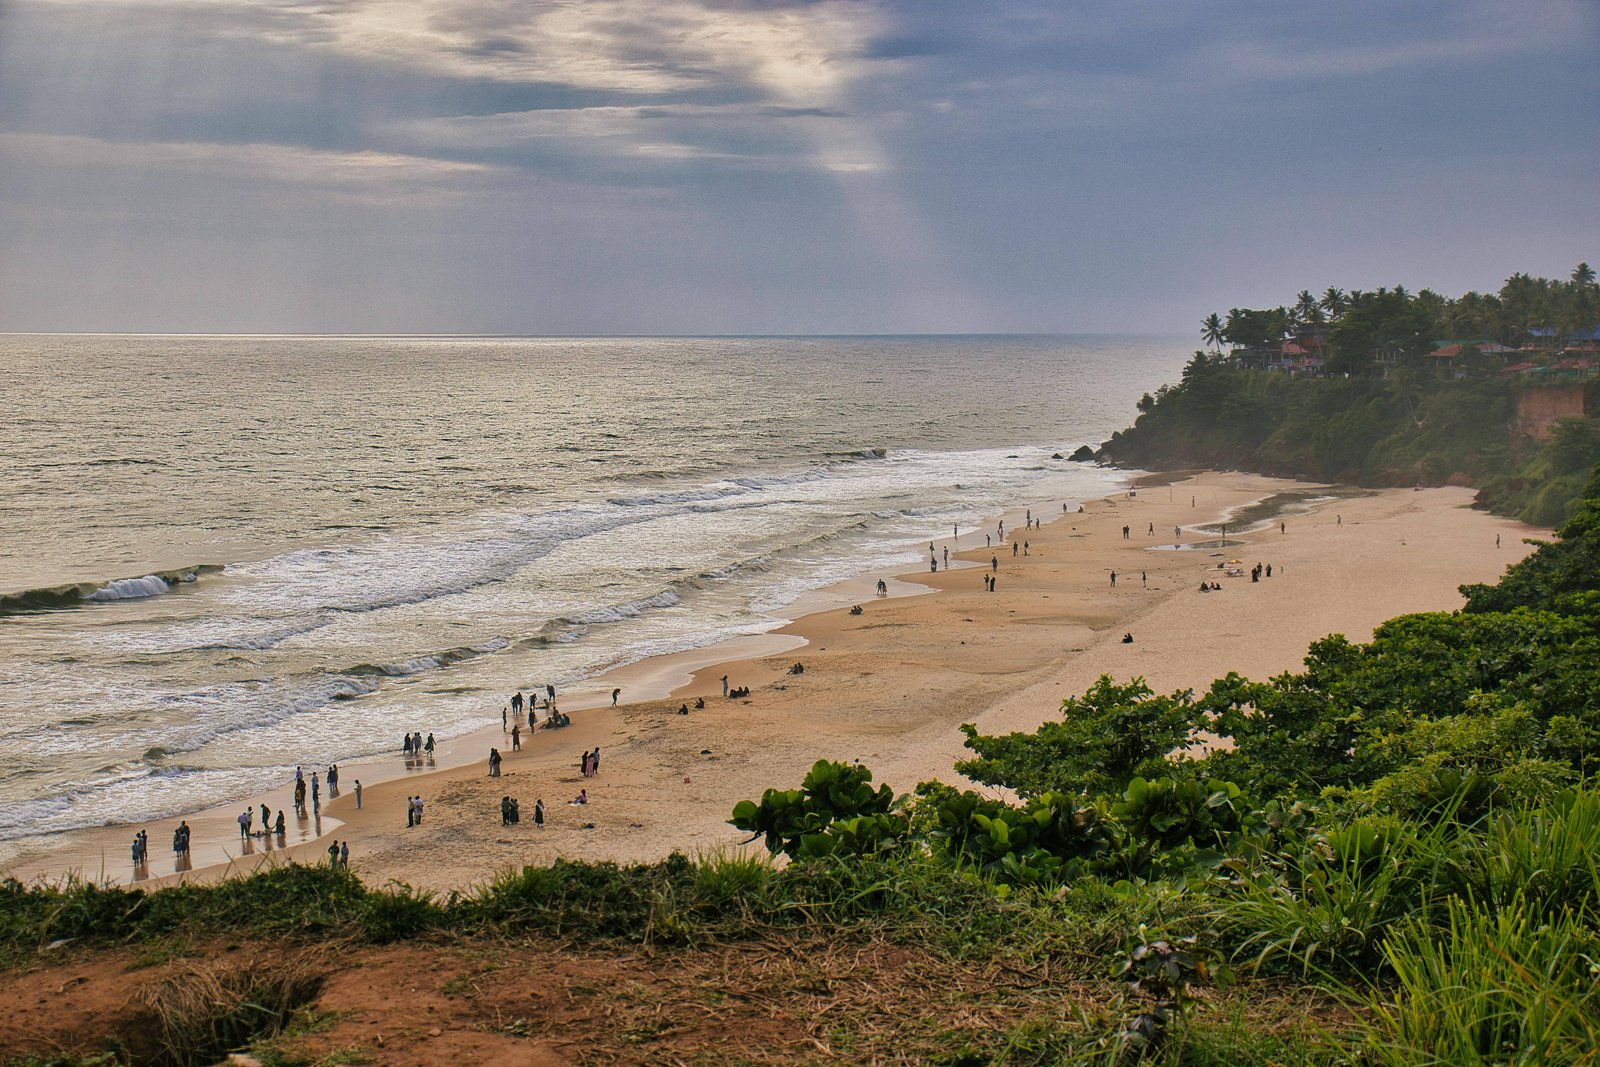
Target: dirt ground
[(783, 1000)]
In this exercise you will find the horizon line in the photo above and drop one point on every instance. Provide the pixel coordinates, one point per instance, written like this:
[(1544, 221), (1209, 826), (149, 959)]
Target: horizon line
[(577, 336)]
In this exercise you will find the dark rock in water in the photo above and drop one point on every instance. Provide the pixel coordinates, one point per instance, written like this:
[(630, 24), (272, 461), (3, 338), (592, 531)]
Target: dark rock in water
[(1055, 455), (1084, 454)]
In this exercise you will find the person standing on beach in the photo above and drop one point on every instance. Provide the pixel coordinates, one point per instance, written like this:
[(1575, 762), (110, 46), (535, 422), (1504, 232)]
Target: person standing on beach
[(516, 738), (411, 812), (550, 692), (344, 853), (615, 693), (594, 761), (277, 828), (1124, 533), (419, 809), (947, 558), (333, 854), (516, 703), (1144, 579), (1113, 579), (724, 685), (994, 564), (358, 794), (538, 813), (1497, 540)]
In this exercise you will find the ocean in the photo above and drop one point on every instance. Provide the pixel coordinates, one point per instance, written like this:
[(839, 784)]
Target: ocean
[(222, 557)]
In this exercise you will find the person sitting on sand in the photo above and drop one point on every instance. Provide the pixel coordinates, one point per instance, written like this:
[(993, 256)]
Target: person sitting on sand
[(582, 797), (855, 609), (683, 709), (700, 704), (1127, 639)]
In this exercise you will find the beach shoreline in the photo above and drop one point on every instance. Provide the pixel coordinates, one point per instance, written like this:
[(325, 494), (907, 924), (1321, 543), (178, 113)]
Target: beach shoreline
[(888, 687)]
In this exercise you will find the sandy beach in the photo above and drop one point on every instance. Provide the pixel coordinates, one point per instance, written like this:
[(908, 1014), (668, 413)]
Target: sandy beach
[(889, 687)]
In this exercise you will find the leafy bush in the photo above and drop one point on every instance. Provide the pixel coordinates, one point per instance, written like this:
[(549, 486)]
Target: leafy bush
[(802, 821), (1104, 738)]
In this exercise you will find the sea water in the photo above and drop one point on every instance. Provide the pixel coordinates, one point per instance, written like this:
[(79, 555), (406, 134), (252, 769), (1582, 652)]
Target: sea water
[(221, 557)]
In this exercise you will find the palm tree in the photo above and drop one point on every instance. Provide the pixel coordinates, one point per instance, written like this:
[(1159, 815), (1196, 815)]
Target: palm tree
[(1334, 302), (1211, 330), (1582, 275), (1305, 307)]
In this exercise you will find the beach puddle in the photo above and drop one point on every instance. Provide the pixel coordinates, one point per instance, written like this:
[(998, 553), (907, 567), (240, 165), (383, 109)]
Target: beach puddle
[(1214, 545)]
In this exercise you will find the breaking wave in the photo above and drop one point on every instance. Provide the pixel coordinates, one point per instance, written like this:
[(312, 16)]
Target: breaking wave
[(76, 594)]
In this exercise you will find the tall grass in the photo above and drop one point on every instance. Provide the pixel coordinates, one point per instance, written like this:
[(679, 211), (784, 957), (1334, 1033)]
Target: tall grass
[(1503, 986)]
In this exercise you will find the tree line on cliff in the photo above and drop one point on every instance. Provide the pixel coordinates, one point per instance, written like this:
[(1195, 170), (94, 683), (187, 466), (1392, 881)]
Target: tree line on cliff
[(1407, 426)]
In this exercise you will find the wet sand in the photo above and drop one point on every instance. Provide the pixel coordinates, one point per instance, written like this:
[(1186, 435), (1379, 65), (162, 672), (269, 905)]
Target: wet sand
[(888, 687)]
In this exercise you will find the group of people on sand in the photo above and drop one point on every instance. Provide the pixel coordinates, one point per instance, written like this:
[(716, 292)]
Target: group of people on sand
[(180, 847), (338, 853), (511, 812), (416, 748), (315, 793)]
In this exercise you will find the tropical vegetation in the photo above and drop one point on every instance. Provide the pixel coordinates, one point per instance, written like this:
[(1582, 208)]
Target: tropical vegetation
[(1370, 410)]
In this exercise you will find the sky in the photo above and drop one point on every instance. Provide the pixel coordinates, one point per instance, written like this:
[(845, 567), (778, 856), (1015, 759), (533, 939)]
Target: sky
[(778, 166)]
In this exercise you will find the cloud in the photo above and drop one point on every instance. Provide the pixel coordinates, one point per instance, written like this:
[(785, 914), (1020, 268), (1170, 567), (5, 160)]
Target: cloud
[(364, 175)]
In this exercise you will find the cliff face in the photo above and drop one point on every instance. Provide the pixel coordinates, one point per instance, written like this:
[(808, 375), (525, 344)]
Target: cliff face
[(1538, 407)]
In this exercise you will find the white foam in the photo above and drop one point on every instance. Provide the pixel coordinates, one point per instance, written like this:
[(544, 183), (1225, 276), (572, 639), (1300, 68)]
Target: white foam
[(131, 588)]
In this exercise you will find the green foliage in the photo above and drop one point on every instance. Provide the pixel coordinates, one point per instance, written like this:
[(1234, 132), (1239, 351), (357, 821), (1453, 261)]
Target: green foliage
[(1558, 574), (1409, 427), (1050, 839), (1180, 810), (835, 811), (1166, 975), (1104, 738), (1500, 986), (1475, 694)]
